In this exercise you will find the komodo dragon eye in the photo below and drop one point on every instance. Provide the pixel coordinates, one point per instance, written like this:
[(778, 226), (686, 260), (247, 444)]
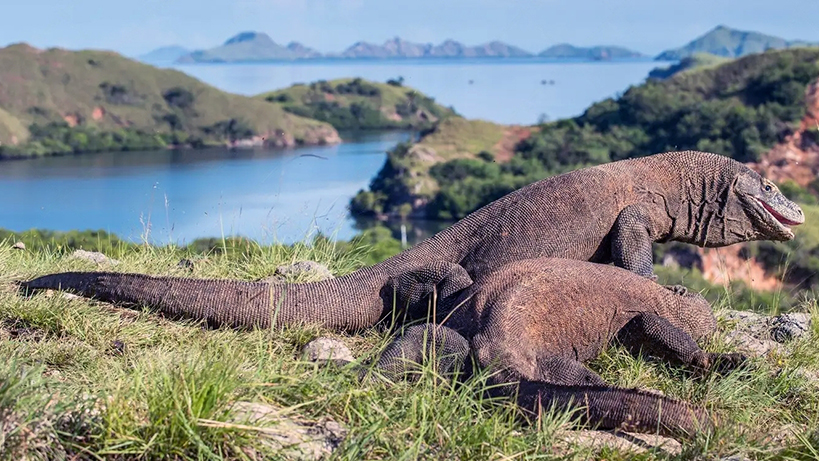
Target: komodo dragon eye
[(768, 188)]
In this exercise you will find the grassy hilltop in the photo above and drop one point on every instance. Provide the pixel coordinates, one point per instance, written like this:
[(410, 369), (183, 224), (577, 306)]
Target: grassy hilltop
[(357, 104), (83, 380), (57, 101)]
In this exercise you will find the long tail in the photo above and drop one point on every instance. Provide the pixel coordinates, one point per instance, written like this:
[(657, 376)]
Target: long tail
[(607, 407), (344, 303)]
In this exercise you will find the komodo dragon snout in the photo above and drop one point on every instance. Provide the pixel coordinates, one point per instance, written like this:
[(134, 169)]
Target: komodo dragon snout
[(759, 208)]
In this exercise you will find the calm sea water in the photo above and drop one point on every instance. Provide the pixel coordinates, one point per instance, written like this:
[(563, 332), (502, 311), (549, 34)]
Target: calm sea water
[(508, 91), (178, 196)]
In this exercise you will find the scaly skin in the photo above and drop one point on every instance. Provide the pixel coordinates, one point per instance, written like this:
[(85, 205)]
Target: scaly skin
[(607, 213), (533, 322)]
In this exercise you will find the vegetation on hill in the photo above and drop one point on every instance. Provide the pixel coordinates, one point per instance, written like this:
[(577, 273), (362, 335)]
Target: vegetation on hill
[(57, 101), (739, 109), (730, 43), (357, 104), (695, 61), (405, 178)]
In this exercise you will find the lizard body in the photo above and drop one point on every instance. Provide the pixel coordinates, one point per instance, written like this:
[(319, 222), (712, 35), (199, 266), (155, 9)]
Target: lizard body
[(607, 213)]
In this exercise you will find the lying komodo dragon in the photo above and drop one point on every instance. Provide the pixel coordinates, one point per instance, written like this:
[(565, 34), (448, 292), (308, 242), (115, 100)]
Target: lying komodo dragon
[(534, 321), (607, 213)]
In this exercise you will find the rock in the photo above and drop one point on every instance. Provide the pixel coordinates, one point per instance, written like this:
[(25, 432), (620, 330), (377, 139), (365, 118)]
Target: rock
[(780, 329), (288, 438), (326, 350), (787, 327), (736, 457), (94, 256), (747, 343), (623, 441), (69, 296), (19, 246), (315, 271), (185, 263)]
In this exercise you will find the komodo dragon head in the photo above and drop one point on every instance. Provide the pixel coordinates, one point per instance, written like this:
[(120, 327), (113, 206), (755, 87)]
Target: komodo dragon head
[(758, 210)]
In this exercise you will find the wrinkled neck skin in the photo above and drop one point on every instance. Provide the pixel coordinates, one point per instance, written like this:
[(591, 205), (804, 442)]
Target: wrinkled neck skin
[(700, 201)]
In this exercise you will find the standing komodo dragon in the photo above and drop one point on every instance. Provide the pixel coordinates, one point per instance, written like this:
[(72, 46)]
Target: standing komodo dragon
[(607, 213), (534, 321)]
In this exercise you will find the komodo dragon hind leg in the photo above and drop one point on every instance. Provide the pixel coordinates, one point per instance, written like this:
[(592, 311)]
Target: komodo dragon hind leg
[(413, 291), (657, 336), (567, 372), (422, 344)]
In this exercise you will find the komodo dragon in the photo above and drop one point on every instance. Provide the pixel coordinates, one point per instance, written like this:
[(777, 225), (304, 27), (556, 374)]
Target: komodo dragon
[(534, 321), (607, 213)]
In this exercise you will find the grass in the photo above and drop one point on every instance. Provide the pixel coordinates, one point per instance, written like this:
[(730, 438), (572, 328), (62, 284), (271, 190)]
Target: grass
[(80, 380)]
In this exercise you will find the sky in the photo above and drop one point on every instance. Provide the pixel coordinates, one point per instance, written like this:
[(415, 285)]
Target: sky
[(133, 27)]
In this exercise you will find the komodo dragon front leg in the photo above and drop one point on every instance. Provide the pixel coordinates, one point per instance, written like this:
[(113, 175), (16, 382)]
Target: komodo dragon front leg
[(635, 229), (658, 337)]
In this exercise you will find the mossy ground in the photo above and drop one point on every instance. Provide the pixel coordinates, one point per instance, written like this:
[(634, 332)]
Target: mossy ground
[(96, 382)]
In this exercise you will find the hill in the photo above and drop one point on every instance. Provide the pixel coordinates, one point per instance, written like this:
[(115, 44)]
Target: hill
[(57, 101), (356, 104), (165, 54), (398, 48), (741, 109), (250, 46), (730, 43), (564, 50), (695, 61)]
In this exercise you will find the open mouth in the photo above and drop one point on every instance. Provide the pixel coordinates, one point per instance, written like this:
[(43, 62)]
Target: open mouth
[(782, 220)]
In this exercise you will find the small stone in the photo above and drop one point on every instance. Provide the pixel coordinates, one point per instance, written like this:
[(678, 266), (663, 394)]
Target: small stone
[(744, 342), (736, 457), (787, 327), (327, 349), (185, 263), (623, 441), (19, 246), (69, 296), (318, 271), (117, 347), (94, 256), (290, 438)]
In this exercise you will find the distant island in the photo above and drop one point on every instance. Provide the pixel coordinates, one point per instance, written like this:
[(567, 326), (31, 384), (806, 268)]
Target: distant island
[(597, 53), (259, 47), (730, 43)]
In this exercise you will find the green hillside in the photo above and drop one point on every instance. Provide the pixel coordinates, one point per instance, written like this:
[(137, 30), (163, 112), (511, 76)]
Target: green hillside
[(357, 104), (57, 101), (731, 43), (740, 109), (695, 61)]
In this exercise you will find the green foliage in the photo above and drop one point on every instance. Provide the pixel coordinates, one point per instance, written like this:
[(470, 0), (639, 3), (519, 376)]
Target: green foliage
[(358, 104), (396, 81), (60, 138)]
